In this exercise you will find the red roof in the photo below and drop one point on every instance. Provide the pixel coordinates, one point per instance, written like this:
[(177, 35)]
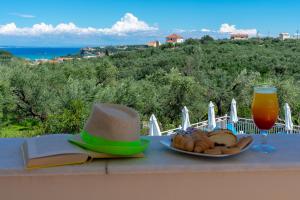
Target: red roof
[(174, 36)]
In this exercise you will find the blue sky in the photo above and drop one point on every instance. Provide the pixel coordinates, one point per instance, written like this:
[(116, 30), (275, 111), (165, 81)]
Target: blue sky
[(103, 22)]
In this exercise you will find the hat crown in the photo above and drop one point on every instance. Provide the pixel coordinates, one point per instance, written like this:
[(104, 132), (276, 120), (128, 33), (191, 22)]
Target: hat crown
[(114, 122)]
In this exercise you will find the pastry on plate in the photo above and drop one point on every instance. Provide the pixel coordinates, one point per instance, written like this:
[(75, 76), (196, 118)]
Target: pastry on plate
[(214, 151), (216, 142), (231, 150), (243, 142), (223, 137), (183, 142)]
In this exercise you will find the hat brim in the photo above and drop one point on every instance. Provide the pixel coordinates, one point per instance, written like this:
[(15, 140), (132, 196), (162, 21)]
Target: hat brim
[(111, 149)]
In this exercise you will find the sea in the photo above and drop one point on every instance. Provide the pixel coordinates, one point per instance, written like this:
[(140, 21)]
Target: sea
[(34, 53)]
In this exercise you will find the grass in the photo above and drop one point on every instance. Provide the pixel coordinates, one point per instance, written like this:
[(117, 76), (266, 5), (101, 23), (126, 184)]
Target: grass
[(16, 130)]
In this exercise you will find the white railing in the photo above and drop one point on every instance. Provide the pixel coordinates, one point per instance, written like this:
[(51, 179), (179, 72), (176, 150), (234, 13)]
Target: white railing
[(242, 126), (220, 122), (247, 126)]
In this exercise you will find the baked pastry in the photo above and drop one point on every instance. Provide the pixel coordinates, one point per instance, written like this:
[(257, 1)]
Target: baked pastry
[(183, 142), (231, 150), (189, 145), (220, 148), (201, 146), (215, 143), (243, 142), (214, 151), (223, 137), (202, 142), (202, 135)]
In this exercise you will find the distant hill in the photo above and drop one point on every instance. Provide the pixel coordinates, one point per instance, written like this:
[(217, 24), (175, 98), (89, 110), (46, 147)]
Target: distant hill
[(5, 55), (109, 50)]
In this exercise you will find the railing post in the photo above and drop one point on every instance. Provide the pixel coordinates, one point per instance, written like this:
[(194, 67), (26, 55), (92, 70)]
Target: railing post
[(224, 124), (245, 125)]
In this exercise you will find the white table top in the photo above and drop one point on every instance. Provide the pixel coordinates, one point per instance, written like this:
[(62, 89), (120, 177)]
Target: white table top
[(158, 159)]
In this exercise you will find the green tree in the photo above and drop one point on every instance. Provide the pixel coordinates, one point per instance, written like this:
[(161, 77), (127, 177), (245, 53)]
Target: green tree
[(106, 72)]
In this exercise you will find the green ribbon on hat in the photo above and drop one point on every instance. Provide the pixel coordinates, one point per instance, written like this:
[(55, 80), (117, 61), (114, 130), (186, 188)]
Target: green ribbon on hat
[(100, 141)]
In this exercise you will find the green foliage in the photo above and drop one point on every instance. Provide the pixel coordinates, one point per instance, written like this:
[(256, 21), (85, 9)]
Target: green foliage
[(106, 73), (206, 39), (53, 98), (71, 119), (5, 56)]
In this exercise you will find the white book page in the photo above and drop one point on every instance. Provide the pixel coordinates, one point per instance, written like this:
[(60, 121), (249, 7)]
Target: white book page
[(49, 145)]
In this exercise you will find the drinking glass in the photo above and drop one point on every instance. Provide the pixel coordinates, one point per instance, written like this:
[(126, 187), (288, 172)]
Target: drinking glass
[(264, 112)]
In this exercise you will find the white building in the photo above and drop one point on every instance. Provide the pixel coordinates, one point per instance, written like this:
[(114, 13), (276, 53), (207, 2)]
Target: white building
[(284, 36), (153, 44)]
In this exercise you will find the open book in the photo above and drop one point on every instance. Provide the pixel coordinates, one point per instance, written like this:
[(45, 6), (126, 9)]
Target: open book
[(56, 150)]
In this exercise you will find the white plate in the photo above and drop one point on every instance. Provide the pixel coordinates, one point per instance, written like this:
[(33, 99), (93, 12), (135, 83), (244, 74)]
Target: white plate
[(167, 143)]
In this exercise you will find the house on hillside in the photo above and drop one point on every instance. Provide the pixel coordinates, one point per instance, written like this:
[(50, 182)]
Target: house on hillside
[(174, 38), (153, 44), (239, 36), (284, 36)]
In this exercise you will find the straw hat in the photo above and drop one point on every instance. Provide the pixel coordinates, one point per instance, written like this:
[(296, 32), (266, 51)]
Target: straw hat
[(112, 129)]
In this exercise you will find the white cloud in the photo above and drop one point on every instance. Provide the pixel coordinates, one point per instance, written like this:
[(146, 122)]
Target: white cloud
[(22, 15), (227, 28), (205, 30), (8, 29), (127, 24), (177, 30)]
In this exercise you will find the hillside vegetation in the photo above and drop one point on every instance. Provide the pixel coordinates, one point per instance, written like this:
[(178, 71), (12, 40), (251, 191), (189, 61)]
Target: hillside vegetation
[(56, 98)]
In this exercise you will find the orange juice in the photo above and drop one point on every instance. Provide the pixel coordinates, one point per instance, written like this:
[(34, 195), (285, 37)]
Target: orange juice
[(265, 107)]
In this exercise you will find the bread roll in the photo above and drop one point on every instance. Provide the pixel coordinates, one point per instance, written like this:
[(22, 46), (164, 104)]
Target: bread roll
[(202, 145), (183, 142), (231, 150), (243, 142), (214, 151), (223, 137)]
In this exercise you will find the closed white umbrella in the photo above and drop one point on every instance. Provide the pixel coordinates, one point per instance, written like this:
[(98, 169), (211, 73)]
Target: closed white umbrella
[(233, 112), (185, 118), (154, 129), (288, 118), (211, 116)]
